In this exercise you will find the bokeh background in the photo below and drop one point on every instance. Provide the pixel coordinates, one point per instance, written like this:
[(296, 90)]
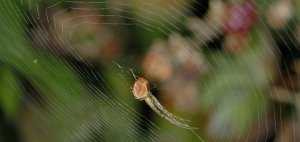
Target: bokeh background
[(230, 66)]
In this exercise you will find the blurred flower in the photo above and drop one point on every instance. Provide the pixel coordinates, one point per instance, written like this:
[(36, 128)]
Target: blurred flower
[(190, 61), (235, 43), (210, 27), (178, 53), (77, 30), (279, 13), (240, 17), (111, 47), (157, 62), (80, 31)]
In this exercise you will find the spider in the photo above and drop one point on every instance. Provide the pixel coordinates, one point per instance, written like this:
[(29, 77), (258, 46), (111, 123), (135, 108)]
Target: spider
[(141, 92)]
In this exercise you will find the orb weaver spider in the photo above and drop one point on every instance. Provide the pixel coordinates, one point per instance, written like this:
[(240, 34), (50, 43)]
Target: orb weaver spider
[(141, 92)]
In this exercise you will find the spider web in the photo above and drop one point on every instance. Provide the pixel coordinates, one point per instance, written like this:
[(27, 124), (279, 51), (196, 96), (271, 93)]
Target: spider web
[(59, 89)]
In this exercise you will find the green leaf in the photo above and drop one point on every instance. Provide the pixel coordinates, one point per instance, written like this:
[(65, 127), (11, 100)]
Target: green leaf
[(9, 93), (239, 113), (236, 87), (51, 76), (119, 83), (69, 110)]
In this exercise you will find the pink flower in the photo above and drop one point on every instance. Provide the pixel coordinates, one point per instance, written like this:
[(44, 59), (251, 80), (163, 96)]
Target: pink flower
[(241, 17)]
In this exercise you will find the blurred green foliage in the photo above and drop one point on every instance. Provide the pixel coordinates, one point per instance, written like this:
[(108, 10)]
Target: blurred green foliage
[(70, 114), (237, 87), (10, 92)]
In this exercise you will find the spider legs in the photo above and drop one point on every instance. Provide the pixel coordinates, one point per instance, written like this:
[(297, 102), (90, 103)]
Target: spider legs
[(174, 120)]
